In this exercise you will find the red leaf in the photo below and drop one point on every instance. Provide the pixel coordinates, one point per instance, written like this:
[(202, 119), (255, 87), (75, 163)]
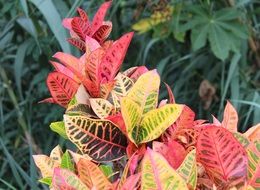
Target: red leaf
[(61, 87), (222, 156), (230, 118), (134, 75), (186, 118), (77, 43), (93, 64), (172, 151), (171, 96), (102, 32), (100, 15), (133, 149), (131, 182), (80, 27), (118, 120), (114, 57), (83, 15)]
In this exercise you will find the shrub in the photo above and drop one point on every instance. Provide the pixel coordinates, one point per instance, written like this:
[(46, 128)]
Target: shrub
[(125, 139)]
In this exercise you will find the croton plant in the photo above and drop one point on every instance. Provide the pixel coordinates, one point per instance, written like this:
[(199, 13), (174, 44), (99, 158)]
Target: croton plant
[(125, 139)]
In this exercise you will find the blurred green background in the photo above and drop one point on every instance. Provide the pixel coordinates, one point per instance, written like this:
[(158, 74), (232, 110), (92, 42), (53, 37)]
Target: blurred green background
[(208, 51)]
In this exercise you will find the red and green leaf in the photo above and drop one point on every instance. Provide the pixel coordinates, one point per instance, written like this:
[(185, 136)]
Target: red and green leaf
[(61, 87), (222, 156), (102, 140)]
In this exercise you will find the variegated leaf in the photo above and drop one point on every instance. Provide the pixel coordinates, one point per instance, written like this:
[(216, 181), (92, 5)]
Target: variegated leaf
[(122, 85), (114, 57), (132, 115), (80, 109), (101, 107), (155, 122), (64, 179), (230, 118), (61, 87), (83, 15), (100, 139), (254, 165), (188, 169), (80, 27), (100, 15), (103, 32), (91, 175), (253, 133), (45, 164), (158, 174), (145, 91), (93, 64), (222, 156), (56, 154), (78, 43), (242, 139)]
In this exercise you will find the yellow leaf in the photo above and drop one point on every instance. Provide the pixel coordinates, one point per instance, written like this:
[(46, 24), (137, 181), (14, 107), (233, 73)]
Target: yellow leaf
[(145, 91), (101, 107), (155, 122), (56, 154), (45, 164), (123, 85)]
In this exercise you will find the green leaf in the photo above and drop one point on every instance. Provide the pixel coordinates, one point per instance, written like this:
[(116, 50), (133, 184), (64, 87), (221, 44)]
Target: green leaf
[(46, 180), (59, 128), (107, 170), (199, 37), (53, 18), (66, 162)]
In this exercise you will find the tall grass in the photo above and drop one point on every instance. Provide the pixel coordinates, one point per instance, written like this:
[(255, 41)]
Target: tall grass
[(31, 32)]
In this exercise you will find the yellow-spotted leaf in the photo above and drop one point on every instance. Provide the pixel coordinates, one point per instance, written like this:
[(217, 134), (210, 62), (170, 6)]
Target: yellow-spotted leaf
[(145, 91), (101, 107), (91, 175), (188, 169), (132, 115), (230, 118), (65, 179), (80, 109), (157, 174), (122, 85), (253, 133), (45, 164), (56, 154), (116, 101), (254, 165), (102, 140), (155, 122)]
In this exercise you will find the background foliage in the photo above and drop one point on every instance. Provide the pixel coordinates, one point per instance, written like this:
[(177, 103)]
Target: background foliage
[(207, 51)]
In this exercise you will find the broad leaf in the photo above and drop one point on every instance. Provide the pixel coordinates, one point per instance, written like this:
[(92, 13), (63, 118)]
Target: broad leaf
[(103, 32), (114, 57), (253, 133), (253, 166), (61, 87), (59, 128), (91, 175), (132, 182), (78, 43), (222, 156), (66, 162), (80, 27), (230, 118), (157, 174), (122, 85), (101, 107), (145, 91), (188, 169), (65, 179), (132, 115), (241, 139), (45, 164), (155, 122), (100, 139)]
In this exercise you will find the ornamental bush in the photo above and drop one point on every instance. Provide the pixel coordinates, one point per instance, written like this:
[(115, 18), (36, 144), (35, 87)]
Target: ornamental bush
[(125, 137)]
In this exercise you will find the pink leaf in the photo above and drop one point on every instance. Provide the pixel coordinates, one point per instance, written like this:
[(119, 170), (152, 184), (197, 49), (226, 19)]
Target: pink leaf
[(131, 182), (83, 15), (91, 43), (216, 121), (137, 72), (100, 15), (103, 32), (66, 22), (64, 70), (171, 96), (114, 57), (48, 100), (78, 43)]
